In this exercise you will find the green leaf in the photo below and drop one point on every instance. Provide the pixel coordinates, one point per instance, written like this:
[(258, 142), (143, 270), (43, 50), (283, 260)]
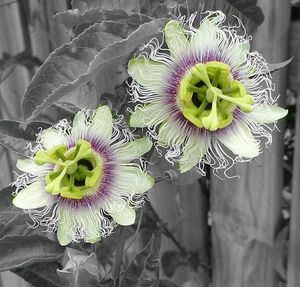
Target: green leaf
[(72, 18), (14, 221), (20, 251), (80, 269), (85, 5), (41, 274), (6, 198), (58, 111), (85, 60), (276, 66), (247, 11), (62, 69), (130, 6), (14, 137), (143, 271), (167, 283), (170, 260)]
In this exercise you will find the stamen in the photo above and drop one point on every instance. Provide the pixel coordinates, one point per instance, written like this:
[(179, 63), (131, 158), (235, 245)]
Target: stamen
[(60, 155), (216, 78), (202, 107), (213, 84), (211, 121), (72, 181), (195, 89), (73, 168), (200, 71), (54, 186), (230, 90), (245, 103)]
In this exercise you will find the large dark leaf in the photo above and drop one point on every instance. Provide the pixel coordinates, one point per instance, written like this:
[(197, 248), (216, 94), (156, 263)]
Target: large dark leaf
[(20, 251), (63, 67), (80, 269), (166, 283), (155, 9), (14, 137), (170, 261), (14, 221), (143, 271), (6, 198), (72, 18), (41, 274), (58, 111), (84, 5), (130, 6), (247, 11), (79, 62)]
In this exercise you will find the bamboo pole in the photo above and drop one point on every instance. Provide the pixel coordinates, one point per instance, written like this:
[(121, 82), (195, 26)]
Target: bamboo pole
[(246, 211)]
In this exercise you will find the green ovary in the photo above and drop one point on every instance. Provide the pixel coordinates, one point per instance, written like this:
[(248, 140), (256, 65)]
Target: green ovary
[(208, 96), (77, 171)]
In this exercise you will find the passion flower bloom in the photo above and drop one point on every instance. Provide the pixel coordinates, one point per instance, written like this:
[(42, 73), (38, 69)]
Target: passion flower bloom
[(84, 177), (204, 95)]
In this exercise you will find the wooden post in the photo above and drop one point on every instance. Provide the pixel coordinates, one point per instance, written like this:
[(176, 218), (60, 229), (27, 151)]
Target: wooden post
[(294, 238), (184, 208), (15, 38), (246, 211), (11, 90)]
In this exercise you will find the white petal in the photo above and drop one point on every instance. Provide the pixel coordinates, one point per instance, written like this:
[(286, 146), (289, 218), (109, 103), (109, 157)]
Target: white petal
[(240, 140), (267, 114), (193, 151), (124, 216), (28, 165), (237, 53), (119, 210), (209, 36), (102, 123), (133, 149), (79, 125), (148, 73), (52, 137), (175, 38), (65, 226), (90, 223), (146, 116), (169, 134), (133, 180), (33, 196)]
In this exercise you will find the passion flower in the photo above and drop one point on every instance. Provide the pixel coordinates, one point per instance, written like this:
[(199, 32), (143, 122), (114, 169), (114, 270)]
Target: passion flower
[(84, 175), (206, 91)]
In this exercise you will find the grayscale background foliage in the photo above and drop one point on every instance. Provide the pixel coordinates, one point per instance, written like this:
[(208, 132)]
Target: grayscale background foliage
[(59, 56)]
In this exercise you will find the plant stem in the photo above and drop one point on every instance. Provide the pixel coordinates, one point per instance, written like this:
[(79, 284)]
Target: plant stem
[(136, 231), (165, 229), (118, 260)]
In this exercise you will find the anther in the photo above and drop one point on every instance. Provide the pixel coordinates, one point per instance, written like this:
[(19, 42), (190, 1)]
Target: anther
[(60, 155), (216, 77)]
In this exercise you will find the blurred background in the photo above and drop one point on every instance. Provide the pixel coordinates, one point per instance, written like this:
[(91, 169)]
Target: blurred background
[(238, 232)]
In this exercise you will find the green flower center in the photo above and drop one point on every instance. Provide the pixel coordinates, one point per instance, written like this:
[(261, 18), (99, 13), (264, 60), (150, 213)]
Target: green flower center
[(208, 96), (77, 170)]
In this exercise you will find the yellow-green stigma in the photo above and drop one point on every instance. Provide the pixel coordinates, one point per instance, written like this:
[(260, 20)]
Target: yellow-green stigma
[(208, 96), (76, 171)]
